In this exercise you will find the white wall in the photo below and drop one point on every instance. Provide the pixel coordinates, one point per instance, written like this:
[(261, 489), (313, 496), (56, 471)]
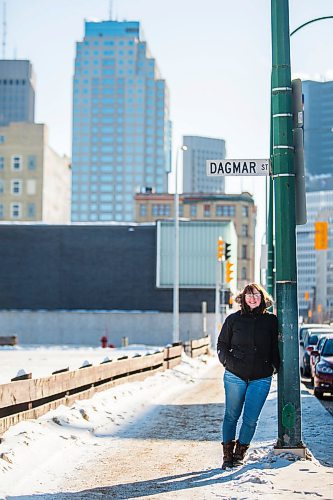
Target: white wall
[(87, 327)]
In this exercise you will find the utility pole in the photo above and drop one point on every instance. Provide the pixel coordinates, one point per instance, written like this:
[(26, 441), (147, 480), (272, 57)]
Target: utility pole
[(270, 217), (289, 404)]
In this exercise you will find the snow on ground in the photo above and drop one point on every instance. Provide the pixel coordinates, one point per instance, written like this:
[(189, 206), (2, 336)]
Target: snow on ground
[(35, 455), (41, 361)]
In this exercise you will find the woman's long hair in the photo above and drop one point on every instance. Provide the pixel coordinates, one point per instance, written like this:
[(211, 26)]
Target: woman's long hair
[(266, 299)]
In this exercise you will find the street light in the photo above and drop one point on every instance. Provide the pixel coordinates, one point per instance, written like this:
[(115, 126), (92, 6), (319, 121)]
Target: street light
[(175, 332)]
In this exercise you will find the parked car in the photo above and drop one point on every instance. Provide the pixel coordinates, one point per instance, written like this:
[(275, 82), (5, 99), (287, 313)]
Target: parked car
[(315, 353), (323, 373), (309, 341), (311, 326)]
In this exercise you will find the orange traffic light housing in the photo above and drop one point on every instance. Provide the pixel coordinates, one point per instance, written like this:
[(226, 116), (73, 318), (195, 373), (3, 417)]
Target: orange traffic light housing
[(220, 249), (229, 271), (321, 236)]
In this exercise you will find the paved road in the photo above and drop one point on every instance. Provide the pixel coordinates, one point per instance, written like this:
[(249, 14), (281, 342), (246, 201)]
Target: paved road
[(327, 402)]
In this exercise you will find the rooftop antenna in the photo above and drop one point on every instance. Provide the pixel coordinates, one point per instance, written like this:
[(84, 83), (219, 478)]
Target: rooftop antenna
[(4, 32)]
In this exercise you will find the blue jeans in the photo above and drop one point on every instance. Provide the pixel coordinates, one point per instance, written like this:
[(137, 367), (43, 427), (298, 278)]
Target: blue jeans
[(247, 396)]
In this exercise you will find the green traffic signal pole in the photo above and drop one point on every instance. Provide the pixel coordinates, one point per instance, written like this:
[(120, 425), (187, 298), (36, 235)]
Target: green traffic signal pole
[(270, 231), (289, 403)]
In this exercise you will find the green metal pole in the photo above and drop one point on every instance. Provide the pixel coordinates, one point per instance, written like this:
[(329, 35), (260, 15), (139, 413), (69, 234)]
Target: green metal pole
[(289, 404), (270, 231)]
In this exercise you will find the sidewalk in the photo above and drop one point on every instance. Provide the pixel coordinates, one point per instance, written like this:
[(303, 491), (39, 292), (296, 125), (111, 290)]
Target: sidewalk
[(317, 424), (160, 439)]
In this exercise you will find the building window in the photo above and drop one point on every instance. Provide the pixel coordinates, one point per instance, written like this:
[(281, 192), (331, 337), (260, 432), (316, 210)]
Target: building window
[(181, 211), (32, 162), (31, 210), (2, 163), (206, 210), (16, 163), (16, 186), (245, 211), (161, 209), (225, 210), (244, 277), (2, 211), (143, 210), (2, 139), (193, 211), (244, 251), (2, 186), (15, 210), (245, 230)]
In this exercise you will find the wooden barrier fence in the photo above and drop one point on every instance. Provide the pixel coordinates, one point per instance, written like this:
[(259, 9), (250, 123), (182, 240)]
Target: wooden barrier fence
[(194, 348), (31, 398)]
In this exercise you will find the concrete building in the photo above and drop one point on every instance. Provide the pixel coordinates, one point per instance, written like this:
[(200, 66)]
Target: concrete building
[(239, 208), (17, 92), (73, 283), (318, 128), (315, 267), (35, 181), (121, 126), (200, 149)]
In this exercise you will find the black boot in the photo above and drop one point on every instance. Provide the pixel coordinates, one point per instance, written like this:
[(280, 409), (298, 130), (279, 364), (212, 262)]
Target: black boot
[(239, 453), (228, 454)]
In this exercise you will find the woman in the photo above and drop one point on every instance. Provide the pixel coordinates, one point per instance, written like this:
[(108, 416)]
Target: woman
[(248, 349)]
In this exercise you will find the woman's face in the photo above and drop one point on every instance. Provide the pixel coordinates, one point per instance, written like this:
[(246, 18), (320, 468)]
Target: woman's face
[(253, 298)]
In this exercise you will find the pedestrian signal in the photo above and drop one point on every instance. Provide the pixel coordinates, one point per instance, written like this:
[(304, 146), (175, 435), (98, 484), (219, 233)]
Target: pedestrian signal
[(227, 251), (229, 271), (220, 249), (321, 236)]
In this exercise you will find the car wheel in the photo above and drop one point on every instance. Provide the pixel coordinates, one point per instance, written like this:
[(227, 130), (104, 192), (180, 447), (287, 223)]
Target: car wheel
[(318, 394)]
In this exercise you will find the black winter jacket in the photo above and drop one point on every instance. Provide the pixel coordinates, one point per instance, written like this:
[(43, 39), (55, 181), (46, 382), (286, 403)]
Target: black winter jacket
[(248, 345)]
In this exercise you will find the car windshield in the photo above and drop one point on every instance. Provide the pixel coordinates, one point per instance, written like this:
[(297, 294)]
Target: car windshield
[(313, 339), (328, 348)]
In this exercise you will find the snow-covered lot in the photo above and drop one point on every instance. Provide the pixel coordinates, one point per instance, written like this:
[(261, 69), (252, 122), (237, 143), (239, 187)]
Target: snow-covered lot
[(158, 438)]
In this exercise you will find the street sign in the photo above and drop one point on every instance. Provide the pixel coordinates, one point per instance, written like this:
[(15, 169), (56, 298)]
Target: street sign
[(238, 167)]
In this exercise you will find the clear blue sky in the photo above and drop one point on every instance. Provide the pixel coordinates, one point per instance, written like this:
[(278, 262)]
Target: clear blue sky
[(214, 54)]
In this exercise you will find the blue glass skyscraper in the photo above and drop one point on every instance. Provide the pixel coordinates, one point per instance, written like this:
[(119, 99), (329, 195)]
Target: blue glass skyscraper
[(318, 127), (121, 126)]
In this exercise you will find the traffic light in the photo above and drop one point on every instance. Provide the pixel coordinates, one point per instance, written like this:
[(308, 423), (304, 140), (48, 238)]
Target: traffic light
[(306, 296), (229, 271), (220, 249), (227, 251), (321, 236)]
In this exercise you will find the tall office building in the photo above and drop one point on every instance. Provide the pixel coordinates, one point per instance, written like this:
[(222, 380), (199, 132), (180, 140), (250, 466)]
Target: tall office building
[(315, 267), (200, 149), (17, 92), (121, 127), (318, 129)]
